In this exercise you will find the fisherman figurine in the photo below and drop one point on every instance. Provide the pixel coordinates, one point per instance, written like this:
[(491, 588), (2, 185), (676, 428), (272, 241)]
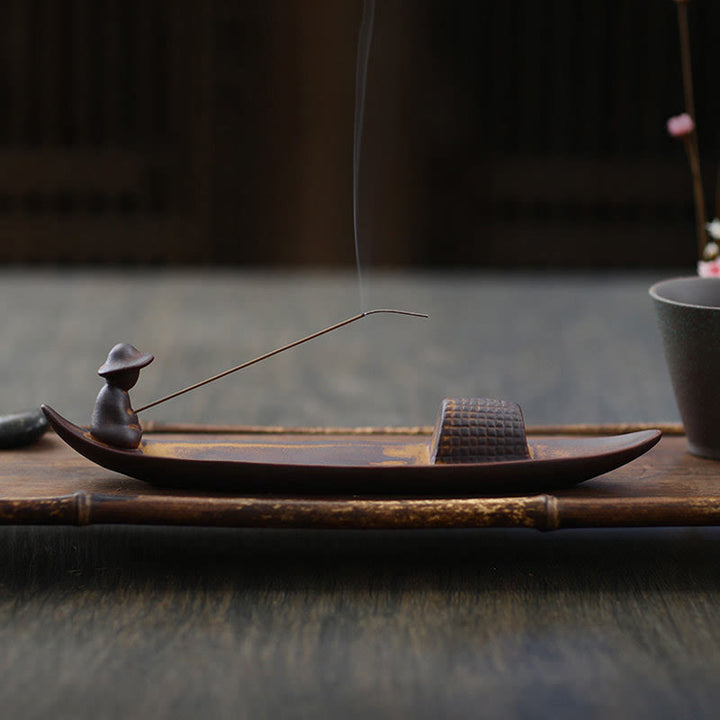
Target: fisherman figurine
[(113, 420)]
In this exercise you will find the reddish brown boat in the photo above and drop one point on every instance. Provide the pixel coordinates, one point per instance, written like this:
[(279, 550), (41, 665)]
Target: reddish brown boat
[(478, 448)]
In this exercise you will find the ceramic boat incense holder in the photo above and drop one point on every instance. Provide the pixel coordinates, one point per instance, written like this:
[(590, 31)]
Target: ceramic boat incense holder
[(479, 446)]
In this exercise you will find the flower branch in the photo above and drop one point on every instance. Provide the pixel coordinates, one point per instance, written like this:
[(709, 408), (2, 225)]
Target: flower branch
[(683, 126)]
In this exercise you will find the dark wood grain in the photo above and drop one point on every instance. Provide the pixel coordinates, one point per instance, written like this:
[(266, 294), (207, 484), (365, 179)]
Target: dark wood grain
[(172, 622)]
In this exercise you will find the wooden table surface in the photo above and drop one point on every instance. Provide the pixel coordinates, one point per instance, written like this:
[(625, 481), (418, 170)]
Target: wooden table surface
[(116, 622)]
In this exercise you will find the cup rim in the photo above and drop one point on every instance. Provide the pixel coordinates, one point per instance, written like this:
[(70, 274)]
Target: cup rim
[(655, 291)]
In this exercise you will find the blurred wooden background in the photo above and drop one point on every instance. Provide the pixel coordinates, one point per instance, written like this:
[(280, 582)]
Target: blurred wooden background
[(501, 134)]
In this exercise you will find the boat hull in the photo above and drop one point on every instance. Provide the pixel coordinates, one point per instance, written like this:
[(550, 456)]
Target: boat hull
[(296, 464)]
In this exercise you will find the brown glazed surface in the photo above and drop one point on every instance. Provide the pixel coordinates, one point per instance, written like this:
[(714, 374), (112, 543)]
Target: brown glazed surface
[(347, 463)]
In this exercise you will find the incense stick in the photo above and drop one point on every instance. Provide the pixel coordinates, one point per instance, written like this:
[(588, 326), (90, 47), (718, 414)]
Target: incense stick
[(353, 319)]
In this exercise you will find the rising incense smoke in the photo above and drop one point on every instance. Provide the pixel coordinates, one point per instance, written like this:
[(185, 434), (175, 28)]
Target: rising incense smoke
[(363, 57)]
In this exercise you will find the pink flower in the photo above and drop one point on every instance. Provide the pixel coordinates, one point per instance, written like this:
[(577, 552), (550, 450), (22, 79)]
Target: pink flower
[(680, 125), (709, 268)]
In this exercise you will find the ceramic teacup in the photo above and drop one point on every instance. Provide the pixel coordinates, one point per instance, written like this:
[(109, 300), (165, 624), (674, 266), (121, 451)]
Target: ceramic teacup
[(688, 311)]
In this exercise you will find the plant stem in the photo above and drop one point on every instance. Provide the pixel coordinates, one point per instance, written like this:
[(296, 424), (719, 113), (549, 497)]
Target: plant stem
[(693, 157), (691, 141), (686, 61)]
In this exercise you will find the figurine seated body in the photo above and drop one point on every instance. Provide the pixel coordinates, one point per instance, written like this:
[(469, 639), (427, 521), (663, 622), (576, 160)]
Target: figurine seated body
[(113, 420)]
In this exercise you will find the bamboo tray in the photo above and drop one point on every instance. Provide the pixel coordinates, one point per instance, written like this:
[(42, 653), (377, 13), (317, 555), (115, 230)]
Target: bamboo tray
[(50, 484)]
